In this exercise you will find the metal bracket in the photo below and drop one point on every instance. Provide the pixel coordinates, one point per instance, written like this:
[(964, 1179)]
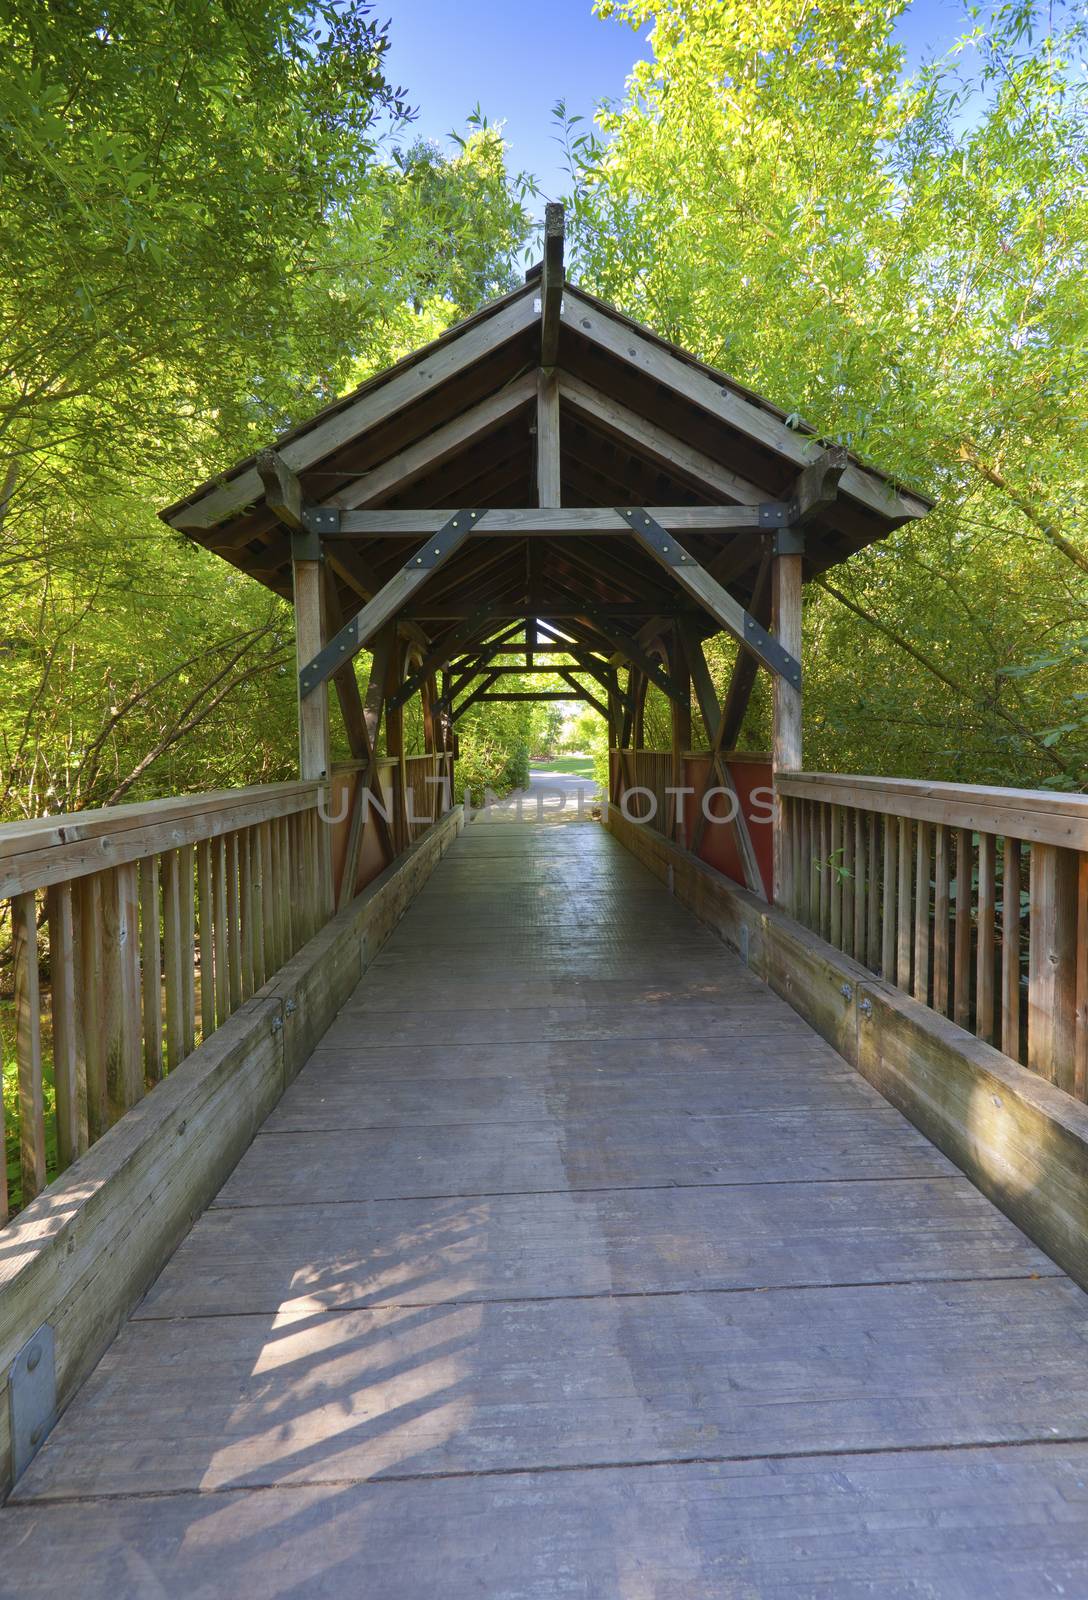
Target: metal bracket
[(652, 531), (321, 519), (32, 1396), (306, 546), (310, 676), (778, 513), (433, 551), (777, 655), (789, 542)]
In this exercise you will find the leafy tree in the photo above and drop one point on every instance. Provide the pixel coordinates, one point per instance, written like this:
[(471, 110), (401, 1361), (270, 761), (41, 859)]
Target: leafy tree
[(902, 263), (207, 229)]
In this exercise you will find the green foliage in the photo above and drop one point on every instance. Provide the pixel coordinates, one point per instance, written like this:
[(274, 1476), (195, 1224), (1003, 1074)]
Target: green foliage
[(903, 264), (211, 222)]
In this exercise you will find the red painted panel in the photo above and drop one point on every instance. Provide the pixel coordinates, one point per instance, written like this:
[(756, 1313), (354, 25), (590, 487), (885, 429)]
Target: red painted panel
[(752, 776)]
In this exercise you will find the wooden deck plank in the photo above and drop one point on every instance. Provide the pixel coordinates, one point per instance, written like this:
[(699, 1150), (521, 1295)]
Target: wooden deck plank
[(333, 1397), (637, 1241), (587, 1153), (334, 1100), (944, 1525), (574, 1258)]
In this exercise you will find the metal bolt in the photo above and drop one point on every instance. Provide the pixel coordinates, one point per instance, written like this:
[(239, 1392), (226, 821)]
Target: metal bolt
[(846, 992), (865, 1007), (36, 1436), (33, 1358)]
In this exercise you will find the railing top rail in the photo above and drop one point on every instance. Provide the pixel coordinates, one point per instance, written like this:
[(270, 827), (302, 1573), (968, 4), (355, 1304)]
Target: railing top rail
[(1031, 814), (49, 850)]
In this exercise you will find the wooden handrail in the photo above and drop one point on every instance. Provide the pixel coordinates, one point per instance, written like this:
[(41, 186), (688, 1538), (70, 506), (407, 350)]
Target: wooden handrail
[(1028, 814), (48, 850)]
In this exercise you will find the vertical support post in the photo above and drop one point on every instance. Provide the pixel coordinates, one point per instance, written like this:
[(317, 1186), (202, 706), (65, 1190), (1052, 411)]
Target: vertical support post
[(1052, 969), (310, 638), (394, 744), (680, 674), (786, 613)]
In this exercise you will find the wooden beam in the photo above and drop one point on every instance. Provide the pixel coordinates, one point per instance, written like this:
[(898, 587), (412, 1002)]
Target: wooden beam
[(787, 716), (583, 693), (742, 682), (549, 522), (345, 681), (344, 422), (663, 449), (632, 652), (717, 601), (643, 353), (817, 486), (547, 440), (316, 670), (399, 472), (310, 634), (551, 284), (282, 490)]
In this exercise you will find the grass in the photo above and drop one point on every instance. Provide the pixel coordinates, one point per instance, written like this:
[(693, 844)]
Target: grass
[(570, 766)]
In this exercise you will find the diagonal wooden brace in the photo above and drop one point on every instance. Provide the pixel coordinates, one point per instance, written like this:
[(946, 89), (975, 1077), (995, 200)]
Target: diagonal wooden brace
[(431, 555), (721, 605)]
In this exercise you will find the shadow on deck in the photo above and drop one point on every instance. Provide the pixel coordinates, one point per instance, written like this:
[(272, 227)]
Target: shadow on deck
[(575, 1262)]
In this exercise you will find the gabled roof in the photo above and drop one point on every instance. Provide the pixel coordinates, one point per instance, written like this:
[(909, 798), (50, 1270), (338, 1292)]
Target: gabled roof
[(641, 423)]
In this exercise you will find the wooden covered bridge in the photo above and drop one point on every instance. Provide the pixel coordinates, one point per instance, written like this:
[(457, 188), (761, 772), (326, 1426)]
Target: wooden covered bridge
[(690, 1203)]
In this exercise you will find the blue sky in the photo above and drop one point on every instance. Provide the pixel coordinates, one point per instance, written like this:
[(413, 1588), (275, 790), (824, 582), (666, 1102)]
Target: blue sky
[(518, 60)]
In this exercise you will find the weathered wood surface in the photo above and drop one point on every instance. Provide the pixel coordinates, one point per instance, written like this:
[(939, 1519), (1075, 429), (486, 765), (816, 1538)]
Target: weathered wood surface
[(463, 1265)]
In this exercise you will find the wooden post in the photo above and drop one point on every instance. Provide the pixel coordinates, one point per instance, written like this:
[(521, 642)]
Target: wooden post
[(1052, 958), (681, 735), (547, 440), (787, 712), (310, 638)]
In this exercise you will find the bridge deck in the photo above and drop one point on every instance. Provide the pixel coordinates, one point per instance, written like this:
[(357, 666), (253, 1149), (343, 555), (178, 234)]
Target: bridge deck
[(575, 1263)]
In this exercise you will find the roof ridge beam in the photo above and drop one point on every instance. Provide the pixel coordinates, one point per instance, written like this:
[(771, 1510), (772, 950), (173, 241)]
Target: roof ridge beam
[(551, 283)]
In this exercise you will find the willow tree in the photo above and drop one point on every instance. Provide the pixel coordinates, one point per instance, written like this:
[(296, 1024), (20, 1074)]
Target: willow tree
[(901, 263), (213, 218)]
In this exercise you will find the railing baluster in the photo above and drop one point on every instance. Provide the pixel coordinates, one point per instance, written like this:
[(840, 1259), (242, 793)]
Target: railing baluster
[(861, 888), (904, 930), (28, 1044), (942, 883), (219, 924), (961, 977), (205, 897), (234, 930), (173, 956), (151, 968), (90, 1004), (986, 945), (1010, 949), (836, 877), (849, 883), (188, 951), (890, 918), (921, 913), (69, 1081)]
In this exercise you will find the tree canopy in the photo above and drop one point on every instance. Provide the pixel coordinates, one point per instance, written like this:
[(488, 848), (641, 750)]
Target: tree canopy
[(901, 262)]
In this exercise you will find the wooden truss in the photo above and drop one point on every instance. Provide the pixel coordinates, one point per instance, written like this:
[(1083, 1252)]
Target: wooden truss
[(547, 489)]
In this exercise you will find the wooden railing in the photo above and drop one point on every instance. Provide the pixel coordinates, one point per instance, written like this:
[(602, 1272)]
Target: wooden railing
[(650, 770), (151, 924), (974, 900), (425, 796)]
